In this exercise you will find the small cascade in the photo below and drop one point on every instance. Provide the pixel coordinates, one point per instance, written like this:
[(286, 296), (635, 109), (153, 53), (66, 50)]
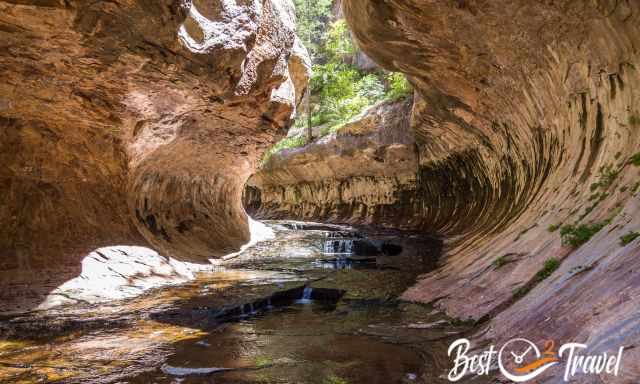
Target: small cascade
[(341, 235), (338, 247), (306, 295)]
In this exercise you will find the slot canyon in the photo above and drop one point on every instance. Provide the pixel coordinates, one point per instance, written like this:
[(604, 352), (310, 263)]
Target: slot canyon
[(150, 225)]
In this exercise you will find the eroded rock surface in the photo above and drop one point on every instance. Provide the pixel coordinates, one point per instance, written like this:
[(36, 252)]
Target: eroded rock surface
[(137, 122), (525, 118), (363, 173)]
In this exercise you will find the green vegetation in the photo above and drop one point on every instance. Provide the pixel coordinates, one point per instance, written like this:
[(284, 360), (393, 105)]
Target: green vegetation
[(338, 42), (504, 260), (333, 379), (553, 227), (634, 120), (606, 178), (398, 86), (457, 322), (263, 361), (312, 18), (549, 266), (576, 235), (287, 142), (521, 292), (628, 238), (501, 262), (339, 90), (635, 159)]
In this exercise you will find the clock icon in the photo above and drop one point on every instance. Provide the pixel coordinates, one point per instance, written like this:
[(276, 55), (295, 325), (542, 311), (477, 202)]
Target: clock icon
[(526, 357)]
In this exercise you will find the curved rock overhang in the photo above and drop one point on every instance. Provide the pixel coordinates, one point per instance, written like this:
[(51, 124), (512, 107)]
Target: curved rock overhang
[(526, 117), (363, 174), (137, 122)]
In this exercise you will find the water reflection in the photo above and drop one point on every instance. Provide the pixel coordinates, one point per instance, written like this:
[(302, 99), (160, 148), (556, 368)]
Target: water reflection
[(273, 314)]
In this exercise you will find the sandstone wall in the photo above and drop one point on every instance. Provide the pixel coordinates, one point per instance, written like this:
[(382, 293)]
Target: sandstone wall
[(363, 173), (525, 118), (137, 123)]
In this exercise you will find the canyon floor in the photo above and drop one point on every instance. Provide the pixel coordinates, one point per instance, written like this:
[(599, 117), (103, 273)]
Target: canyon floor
[(314, 303), (138, 136)]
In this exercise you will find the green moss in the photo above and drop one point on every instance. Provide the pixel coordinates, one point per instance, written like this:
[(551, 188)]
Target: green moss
[(607, 177), (635, 160), (553, 227), (550, 265), (628, 238), (634, 120), (501, 262), (576, 235), (456, 322), (615, 211), (624, 189), (263, 361), (521, 292), (333, 379)]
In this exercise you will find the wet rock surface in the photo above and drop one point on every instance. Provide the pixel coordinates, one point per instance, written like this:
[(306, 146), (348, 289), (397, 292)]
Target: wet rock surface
[(273, 313), (525, 119), (138, 122), (523, 124)]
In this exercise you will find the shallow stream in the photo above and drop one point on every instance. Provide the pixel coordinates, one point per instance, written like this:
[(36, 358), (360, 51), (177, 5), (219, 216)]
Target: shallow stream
[(315, 304)]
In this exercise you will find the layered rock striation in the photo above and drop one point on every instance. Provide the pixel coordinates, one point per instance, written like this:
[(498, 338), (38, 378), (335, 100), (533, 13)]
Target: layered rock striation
[(365, 173), (137, 123), (526, 118)]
